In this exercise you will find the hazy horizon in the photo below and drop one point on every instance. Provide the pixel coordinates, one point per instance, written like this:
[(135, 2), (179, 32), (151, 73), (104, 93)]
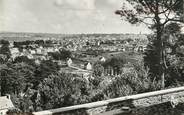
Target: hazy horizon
[(66, 33)]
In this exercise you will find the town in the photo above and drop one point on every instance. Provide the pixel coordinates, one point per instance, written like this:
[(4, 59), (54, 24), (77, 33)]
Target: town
[(83, 50), (78, 55)]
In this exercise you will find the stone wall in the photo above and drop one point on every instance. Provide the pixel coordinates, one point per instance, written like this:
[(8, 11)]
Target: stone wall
[(168, 104), (145, 106)]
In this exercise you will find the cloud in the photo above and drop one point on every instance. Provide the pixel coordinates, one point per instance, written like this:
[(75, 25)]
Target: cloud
[(76, 4), (59, 2), (63, 16)]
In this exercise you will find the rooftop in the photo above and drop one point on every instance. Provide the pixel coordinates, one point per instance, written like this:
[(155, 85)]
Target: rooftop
[(5, 103)]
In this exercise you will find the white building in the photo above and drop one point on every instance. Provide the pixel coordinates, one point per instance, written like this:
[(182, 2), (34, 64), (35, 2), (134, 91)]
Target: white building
[(32, 51), (39, 51), (11, 45), (5, 104), (50, 49), (14, 51), (88, 66), (30, 56), (56, 50), (37, 61), (69, 62), (102, 59)]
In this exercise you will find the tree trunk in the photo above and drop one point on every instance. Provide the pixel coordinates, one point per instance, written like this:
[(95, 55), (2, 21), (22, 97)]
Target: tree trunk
[(0, 90), (163, 80), (0, 85), (160, 49), (161, 59)]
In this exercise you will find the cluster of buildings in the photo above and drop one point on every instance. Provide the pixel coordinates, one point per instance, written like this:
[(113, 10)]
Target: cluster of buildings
[(77, 44), (115, 42), (81, 43), (33, 51)]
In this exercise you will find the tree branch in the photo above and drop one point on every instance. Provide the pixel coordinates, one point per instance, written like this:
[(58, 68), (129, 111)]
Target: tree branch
[(168, 7), (175, 20), (149, 6)]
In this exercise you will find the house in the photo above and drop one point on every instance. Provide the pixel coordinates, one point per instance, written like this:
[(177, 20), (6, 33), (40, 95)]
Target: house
[(136, 49), (98, 43), (50, 49), (102, 59), (56, 50), (88, 66), (69, 62), (30, 56), (144, 48), (26, 52), (32, 51), (37, 61), (40, 57), (38, 51), (123, 49), (11, 44), (44, 52), (59, 62), (5, 104), (14, 51)]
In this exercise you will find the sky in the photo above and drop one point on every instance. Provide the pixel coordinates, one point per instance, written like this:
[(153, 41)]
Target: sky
[(64, 16)]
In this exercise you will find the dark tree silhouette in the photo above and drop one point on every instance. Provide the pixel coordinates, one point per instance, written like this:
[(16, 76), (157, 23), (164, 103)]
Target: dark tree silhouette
[(4, 42), (98, 69), (45, 69), (55, 55), (4, 49), (20, 59), (59, 90), (15, 77), (156, 14), (64, 54)]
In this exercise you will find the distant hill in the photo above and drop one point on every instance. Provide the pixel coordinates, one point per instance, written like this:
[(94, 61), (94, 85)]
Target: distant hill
[(11, 36)]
